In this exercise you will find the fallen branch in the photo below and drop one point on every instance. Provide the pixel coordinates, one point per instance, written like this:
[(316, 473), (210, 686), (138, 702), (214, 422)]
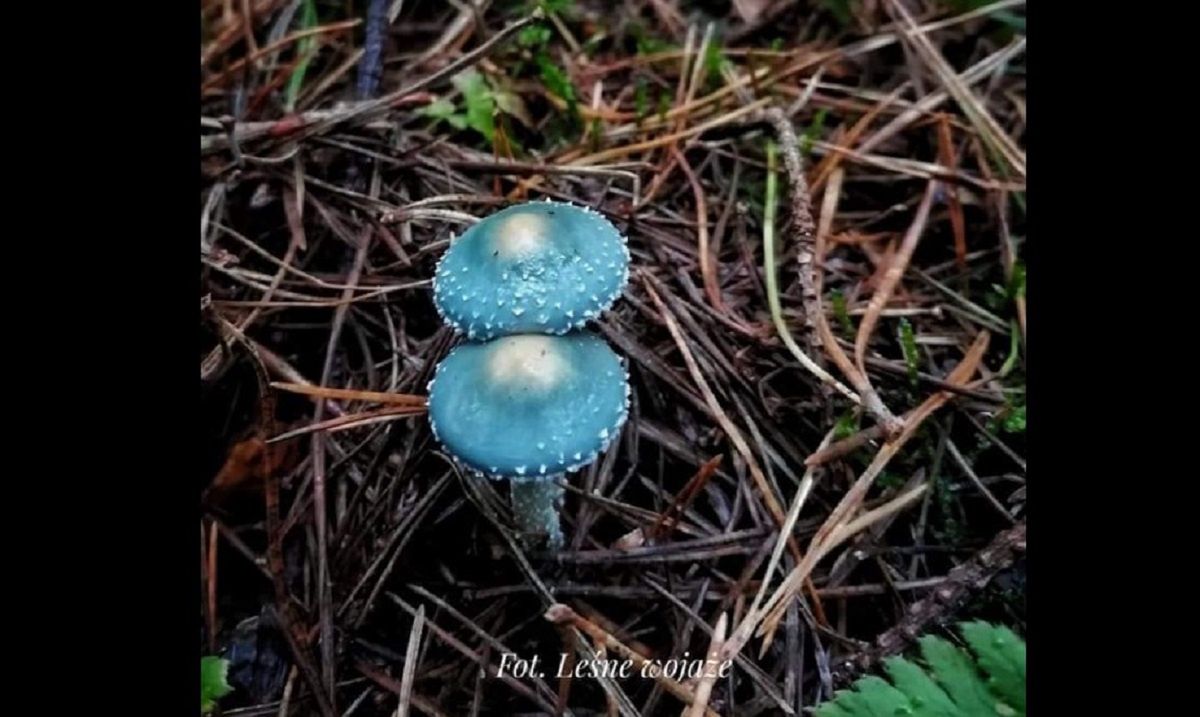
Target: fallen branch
[(803, 227), (963, 579), (773, 289)]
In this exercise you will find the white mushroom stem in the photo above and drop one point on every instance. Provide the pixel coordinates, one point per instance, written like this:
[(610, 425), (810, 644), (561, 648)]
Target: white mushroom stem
[(536, 504)]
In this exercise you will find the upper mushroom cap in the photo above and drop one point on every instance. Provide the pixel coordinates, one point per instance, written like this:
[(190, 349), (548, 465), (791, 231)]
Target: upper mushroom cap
[(538, 267), (529, 406)]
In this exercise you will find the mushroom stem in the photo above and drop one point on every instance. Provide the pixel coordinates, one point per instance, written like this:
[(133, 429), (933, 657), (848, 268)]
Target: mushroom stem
[(536, 504)]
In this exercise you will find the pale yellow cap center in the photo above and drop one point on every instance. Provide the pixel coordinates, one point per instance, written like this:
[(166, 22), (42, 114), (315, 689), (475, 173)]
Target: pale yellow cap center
[(531, 360), (521, 234)]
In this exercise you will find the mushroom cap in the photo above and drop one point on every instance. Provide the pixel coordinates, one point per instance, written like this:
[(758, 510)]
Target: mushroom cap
[(529, 406), (539, 267)]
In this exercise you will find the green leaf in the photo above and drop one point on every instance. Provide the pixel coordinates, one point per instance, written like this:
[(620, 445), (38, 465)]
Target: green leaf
[(925, 695), (953, 670), (558, 83), (952, 683), (213, 685), (555, 6), (652, 46), (445, 110), (882, 699), (641, 98), (595, 133), (533, 36), (814, 130), (1001, 654), (1014, 349), (845, 703), (714, 60), (1016, 284), (841, 313), (480, 103), (664, 104), (846, 426), (832, 709), (887, 479), (1014, 422), (555, 78), (439, 109)]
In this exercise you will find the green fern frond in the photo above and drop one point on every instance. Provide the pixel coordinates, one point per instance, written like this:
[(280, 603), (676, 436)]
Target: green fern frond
[(214, 673), (988, 681)]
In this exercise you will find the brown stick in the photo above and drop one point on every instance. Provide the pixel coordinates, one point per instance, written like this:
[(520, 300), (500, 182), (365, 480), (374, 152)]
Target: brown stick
[(963, 579), (804, 229)]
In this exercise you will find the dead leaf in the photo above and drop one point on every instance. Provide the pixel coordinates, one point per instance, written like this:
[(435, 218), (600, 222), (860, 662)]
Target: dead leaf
[(511, 104), (242, 469)]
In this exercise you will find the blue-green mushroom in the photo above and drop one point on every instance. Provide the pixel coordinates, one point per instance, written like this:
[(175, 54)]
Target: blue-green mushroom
[(530, 408), (539, 267)]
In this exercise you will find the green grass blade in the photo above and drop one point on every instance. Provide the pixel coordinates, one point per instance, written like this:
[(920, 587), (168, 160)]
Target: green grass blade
[(305, 48), (908, 344)]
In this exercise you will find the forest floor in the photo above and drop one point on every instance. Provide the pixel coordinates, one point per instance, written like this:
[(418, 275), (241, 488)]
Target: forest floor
[(824, 328)]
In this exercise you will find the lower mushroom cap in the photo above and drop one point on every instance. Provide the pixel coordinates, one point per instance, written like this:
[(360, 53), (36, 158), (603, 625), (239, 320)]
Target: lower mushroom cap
[(529, 406)]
